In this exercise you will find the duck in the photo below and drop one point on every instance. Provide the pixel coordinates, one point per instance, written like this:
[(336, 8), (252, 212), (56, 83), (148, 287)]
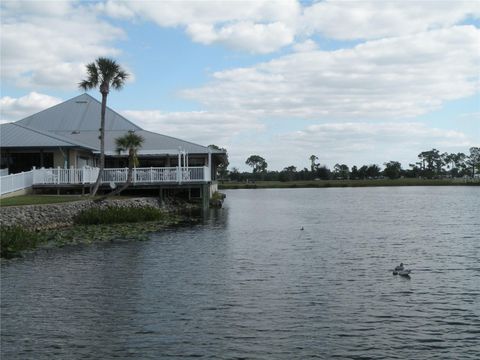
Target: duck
[(400, 270)]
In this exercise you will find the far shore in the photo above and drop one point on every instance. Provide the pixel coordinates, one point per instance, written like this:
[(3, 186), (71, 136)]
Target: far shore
[(345, 183)]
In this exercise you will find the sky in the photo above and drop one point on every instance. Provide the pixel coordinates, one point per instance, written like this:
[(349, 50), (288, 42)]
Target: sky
[(352, 82)]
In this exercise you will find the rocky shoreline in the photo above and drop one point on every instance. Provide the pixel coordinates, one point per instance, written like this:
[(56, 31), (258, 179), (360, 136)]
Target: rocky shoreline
[(59, 215), (52, 225)]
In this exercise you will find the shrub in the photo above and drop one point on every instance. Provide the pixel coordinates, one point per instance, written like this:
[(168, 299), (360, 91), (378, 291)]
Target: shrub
[(117, 215), (14, 239)]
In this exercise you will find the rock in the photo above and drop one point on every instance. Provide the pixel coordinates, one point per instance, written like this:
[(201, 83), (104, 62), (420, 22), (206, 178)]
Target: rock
[(51, 216)]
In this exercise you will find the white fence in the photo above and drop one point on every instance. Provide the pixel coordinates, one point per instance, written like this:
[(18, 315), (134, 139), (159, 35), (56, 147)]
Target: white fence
[(88, 175), (158, 175), (14, 182), (3, 172)]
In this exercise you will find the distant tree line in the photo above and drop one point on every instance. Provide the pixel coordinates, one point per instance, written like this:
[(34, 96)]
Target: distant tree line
[(430, 165)]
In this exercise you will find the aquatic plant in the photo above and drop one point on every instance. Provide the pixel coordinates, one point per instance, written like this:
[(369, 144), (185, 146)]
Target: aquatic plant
[(14, 239), (118, 215)]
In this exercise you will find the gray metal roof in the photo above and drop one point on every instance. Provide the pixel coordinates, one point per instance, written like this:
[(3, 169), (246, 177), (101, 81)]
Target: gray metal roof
[(153, 143), (79, 113), (75, 122), (17, 135)]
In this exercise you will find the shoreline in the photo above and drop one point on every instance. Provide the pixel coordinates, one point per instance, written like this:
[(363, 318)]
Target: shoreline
[(40, 227), (344, 183)]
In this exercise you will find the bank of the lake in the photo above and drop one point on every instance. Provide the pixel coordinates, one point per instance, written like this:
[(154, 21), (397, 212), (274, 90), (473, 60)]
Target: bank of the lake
[(25, 228), (346, 183)]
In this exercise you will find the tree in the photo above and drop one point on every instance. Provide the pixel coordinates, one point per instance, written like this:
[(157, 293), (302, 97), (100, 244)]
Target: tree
[(362, 172), (341, 171), (222, 167), (393, 169), (288, 173), (312, 160), (415, 170), (130, 142), (257, 163), (354, 173), (104, 73), (373, 171), (235, 174), (323, 172), (474, 159), (431, 162)]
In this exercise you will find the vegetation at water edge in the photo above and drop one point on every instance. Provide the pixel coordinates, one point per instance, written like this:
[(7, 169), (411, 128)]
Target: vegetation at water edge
[(341, 183), (118, 215), (14, 239)]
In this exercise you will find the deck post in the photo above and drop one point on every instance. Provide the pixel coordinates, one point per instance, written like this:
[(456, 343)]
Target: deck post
[(179, 165), (209, 176), (205, 196)]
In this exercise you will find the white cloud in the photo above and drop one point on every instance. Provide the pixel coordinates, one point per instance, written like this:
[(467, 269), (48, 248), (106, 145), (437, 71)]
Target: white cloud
[(352, 143), (349, 20), (181, 13), (12, 109), (266, 26), (395, 77), (197, 126), (46, 44), (307, 45), (254, 26), (245, 35)]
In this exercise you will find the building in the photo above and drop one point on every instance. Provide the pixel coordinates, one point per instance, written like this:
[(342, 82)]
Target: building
[(64, 139)]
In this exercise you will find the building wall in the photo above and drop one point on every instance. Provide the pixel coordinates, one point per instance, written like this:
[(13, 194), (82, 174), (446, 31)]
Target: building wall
[(59, 158), (80, 158)]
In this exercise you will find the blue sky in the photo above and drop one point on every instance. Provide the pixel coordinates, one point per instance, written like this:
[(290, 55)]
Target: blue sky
[(356, 82)]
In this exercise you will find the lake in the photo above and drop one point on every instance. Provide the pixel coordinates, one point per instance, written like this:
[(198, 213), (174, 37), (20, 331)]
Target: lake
[(248, 283)]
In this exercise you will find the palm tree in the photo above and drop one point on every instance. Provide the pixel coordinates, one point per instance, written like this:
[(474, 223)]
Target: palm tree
[(130, 142), (104, 73), (312, 160)]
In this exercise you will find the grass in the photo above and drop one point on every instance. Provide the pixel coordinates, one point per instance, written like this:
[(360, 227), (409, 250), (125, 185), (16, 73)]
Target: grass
[(40, 199), (341, 183), (118, 215), (49, 199), (15, 239)]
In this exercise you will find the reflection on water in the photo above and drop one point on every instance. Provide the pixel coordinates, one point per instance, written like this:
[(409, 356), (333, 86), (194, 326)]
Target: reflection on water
[(248, 283)]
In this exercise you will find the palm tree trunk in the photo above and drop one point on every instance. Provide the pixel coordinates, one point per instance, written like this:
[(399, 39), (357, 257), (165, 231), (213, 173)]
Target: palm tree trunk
[(102, 144), (124, 186)]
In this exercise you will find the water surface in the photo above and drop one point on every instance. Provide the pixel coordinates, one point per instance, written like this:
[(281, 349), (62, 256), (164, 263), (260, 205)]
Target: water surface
[(248, 283)]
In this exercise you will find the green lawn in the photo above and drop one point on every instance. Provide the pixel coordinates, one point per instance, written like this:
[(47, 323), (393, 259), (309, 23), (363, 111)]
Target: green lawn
[(40, 199), (340, 183)]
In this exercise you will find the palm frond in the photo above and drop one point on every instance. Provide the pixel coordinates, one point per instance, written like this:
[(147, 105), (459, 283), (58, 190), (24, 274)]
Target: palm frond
[(104, 72), (129, 141), (119, 79), (92, 77)]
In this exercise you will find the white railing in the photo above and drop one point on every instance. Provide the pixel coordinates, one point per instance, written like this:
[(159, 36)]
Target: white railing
[(3, 172), (150, 175), (157, 175), (86, 175), (14, 182)]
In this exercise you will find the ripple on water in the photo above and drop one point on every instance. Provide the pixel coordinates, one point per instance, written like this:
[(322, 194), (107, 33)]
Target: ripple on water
[(246, 284)]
